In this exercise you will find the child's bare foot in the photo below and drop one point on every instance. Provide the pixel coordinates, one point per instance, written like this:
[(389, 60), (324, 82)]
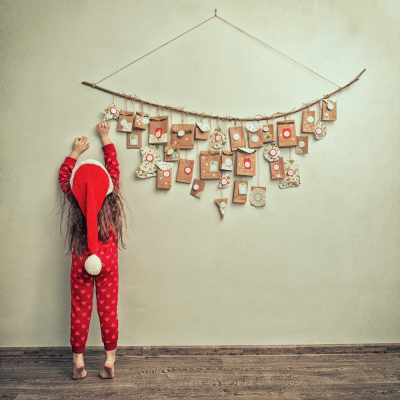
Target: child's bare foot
[(108, 370), (79, 367)]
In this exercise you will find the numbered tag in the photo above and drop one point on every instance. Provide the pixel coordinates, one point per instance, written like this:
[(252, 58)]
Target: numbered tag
[(158, 133), (247, 163), (214, 166), (242, 188)]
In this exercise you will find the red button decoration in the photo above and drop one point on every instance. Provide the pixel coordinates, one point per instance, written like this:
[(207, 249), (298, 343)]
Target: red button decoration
[(218, 137), (149, 157), (188, 170)]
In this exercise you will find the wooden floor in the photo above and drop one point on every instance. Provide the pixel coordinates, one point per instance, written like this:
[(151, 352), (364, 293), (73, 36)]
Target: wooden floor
[(214, 372)]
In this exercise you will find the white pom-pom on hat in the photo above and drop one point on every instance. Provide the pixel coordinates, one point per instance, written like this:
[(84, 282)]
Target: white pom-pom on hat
[(93, 265)]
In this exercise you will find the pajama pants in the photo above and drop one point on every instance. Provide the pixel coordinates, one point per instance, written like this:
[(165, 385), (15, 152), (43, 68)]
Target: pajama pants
[(82, 287)]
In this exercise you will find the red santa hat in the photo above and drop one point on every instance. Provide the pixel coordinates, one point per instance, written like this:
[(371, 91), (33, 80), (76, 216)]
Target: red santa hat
[(90, 184)]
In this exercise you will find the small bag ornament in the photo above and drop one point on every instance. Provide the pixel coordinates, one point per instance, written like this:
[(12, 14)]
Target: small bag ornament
[(287, 133), (308, 121), (320, 131), (257, 196), (240, 191), (148, 168), (272, 152), (164, 175), (292, 175), (197, 189), (236, 134), (225, 181), (183, 134), (134, 139), (222, 203), (141, 121), (329, 110), (111, 112), (202, 130), (209, 164), (268, 133), (172, 152), (255, 136), (125, 121), (245, 161), (226, 161), (217, 138), (277, 168), (302, 145), (159, 130), (185, 171)]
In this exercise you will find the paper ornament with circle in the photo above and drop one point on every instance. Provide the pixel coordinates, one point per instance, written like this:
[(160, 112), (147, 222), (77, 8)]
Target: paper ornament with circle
[(258, 196), (164, 174), (292, 175), (181, 133), (217, 139), (287, 133), (111, 112), (187, 170), (272, 152), (197, 189), (222, 205), (320, 131), (310, 119), (145, 120), (254, 138), (329, 110), (225, 181), (236, 136), (148, 168), (302, 145)]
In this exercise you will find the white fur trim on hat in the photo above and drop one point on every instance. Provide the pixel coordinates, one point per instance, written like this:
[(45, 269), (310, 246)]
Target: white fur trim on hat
[(71, 181), (93, 265)]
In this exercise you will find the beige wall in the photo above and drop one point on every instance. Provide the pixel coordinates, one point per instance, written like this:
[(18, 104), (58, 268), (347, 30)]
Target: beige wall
[(319, 264)]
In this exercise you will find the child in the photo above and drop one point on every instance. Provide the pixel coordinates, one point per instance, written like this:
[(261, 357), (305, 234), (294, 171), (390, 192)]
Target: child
[(94, 232)]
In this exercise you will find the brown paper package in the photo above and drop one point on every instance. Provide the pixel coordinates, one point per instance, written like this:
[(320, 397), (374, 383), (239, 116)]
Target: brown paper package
[(240, 198), (199, 192), (207, 159), (164, 179), (218, 203), (159, 122), (241, 159), (138, 124), (302, 150), (199, 134), (329, 115), (307, 127), (288, 128), (260, 136), (131, 137), (271, 132), (277, 169), (173, 157), (235, 144), (129, 116), (185, 171), (224, 165), (187, 140)]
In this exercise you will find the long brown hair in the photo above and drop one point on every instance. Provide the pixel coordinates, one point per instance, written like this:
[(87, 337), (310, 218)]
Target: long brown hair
[(110, 217)]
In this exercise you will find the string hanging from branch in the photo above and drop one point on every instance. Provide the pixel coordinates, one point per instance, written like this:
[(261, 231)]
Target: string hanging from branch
[(229, 118)]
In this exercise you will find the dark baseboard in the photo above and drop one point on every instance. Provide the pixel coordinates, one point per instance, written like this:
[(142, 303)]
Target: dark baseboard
[(226, 350)]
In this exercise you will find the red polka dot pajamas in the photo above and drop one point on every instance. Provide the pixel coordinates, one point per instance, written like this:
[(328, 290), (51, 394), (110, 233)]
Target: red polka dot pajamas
[(82, 283)]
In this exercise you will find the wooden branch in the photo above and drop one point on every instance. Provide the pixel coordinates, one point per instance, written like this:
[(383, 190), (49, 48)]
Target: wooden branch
[(228, 118)]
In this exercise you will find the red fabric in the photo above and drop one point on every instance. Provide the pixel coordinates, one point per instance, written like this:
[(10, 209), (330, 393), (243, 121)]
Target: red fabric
[(107, 282)]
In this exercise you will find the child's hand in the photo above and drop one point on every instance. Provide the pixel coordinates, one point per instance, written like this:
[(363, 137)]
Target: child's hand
[(103, 128), (79, 147)]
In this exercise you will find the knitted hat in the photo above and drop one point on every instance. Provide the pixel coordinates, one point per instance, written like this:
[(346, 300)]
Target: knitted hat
[(90, 184)]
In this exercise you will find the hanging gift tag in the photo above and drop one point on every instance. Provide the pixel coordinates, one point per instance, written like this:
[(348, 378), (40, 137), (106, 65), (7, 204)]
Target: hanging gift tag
[(329, 110), (111, 112), (164, 175), (138, 124), (240, 191), (209, 161), (202, 131), (257, 196), (277, 168), (268, 133), (308, 121), (320, 131), (272, 152), (134, 139), (125, 121), (222, 204), (237, 137), (148, 168), (292, 175), (225, 181), (245, 162), (302, 145), (183, 134), (172, 152), (226, 161), (145, 120), (287, 133), (217, 139), (185, 171), (159, 130), (197, 189)]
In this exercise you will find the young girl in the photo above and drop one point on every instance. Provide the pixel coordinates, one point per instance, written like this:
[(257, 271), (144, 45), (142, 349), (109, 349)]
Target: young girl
[(95, 220)]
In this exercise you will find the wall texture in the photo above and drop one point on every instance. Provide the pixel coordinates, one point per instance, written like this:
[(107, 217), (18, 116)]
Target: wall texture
[(319, 264)]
